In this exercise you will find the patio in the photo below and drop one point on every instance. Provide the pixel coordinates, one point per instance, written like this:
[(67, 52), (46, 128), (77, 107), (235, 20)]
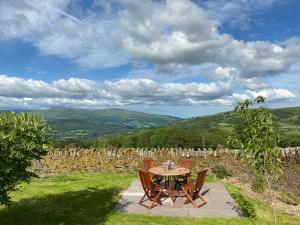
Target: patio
[(219, 203)]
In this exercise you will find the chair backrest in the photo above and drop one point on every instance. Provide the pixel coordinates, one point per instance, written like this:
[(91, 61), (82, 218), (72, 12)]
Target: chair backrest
[(148, 164), (200, 179), (187, 163), (145, 179)]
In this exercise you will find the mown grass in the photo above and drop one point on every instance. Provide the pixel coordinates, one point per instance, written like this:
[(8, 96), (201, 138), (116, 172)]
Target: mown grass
[(89, 198)]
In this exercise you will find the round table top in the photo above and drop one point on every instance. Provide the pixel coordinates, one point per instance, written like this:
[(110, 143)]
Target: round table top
[(176, 171)]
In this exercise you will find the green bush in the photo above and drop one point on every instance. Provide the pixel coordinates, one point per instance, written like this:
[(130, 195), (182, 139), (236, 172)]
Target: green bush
[(23, 137), (221, 171), (289, 198)]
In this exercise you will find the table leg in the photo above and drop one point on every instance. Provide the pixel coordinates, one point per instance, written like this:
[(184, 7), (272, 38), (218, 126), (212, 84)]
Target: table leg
[(171, 189)]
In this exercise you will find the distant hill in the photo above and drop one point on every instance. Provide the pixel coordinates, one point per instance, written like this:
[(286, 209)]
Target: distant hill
[(90, 123), (208, 131), (150, 128), (286, 117)]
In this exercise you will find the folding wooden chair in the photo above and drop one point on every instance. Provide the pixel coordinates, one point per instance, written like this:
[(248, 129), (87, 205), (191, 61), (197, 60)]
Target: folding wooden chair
[(148, 164), (192, 190), (152, 191), (185, 163)]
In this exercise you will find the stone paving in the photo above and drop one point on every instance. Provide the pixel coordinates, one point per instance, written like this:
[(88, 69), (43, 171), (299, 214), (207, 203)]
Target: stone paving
[(219, 203)]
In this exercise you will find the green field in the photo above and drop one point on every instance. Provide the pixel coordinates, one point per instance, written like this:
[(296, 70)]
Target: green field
[(89, 198)]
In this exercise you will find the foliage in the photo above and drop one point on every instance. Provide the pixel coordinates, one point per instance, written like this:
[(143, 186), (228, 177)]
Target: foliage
[(258, 140), (259, 183), (23, 137), (167, 137), (73, 143), (289, 198), (289, 138), (257, 137), (221, 171)]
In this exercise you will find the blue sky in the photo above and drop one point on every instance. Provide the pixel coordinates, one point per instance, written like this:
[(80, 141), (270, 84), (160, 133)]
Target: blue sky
[(182, 58)]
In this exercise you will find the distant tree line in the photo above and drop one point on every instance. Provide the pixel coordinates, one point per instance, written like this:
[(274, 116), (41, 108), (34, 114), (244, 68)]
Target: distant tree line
[(289, 139), (170, 137), (155, 137), (167, 137)]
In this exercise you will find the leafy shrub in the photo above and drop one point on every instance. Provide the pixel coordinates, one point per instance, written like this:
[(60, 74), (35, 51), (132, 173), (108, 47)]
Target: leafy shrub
[(23, 137), (289, 198), (221, 171), (259, 183)]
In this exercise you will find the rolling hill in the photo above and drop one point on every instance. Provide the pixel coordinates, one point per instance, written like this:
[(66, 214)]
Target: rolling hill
[(124, 127), (286, 117), (88, 123), (205, 131)]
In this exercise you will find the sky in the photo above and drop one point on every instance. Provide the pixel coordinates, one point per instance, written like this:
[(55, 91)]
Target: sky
[(177, 57)]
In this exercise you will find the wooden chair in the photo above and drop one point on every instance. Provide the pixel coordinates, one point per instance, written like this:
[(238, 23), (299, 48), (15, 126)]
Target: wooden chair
[(148, 164), (185, 163), (192, 190), (152, 191)]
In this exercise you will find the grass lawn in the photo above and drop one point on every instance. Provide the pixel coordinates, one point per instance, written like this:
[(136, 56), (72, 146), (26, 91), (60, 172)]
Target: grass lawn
[(89, 198)]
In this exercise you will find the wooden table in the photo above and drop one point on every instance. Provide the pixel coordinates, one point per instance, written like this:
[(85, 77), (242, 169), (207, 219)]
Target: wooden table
[(169, 177)]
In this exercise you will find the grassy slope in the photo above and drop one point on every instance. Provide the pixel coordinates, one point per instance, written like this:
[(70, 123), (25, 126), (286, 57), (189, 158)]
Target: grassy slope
[(89, 199), (285, 116), (86, 123)]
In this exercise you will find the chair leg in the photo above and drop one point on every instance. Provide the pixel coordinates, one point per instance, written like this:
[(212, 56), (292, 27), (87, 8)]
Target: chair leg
[(142, 199), (202, 199), (191, 200), (156, 200)]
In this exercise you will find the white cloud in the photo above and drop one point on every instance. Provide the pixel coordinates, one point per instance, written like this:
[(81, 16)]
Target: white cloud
[(177, 38), (272, 94), (172, 32), (252, 84), (92, 42), (184, 34), (74, 92), (122, 92)]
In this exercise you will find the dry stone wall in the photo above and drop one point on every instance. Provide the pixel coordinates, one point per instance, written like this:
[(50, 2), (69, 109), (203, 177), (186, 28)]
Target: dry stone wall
[(130, 159)]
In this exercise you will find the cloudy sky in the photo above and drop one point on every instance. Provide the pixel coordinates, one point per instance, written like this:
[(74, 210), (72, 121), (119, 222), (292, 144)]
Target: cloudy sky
[(176, 57)]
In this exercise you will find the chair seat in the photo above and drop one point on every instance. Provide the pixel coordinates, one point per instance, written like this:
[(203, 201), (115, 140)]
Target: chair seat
[(188, 186), (157, 187)]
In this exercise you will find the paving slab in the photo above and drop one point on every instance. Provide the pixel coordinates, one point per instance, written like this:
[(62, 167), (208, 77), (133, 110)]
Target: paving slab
[(219, 203)]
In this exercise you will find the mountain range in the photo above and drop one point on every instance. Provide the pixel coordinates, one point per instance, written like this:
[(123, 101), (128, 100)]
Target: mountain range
[(93, 123)]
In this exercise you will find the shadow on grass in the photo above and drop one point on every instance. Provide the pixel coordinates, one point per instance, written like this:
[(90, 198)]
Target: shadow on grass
[(247, 208), (90, 206)]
